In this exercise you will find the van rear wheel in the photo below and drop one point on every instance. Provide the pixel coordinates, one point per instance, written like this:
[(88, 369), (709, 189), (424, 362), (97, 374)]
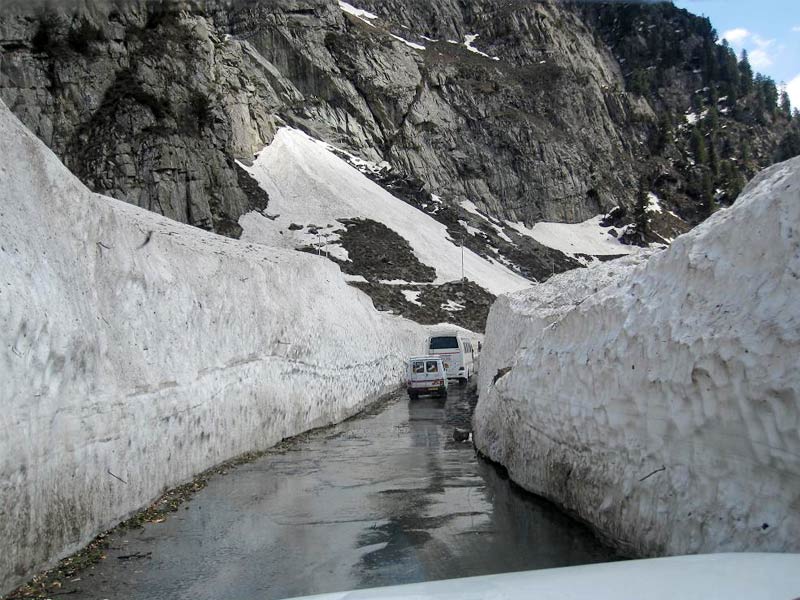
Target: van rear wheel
[(412, 395)]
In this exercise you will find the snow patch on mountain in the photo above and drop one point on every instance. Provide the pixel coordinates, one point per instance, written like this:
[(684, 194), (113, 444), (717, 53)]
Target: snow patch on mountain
[(469, 40), (588, 237), (359, 13), (662, 403), (413, 45), (308, 183), (411, 296), (470, 207)]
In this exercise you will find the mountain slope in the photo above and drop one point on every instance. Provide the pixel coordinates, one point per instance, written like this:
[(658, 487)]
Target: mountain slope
[(524, 108)]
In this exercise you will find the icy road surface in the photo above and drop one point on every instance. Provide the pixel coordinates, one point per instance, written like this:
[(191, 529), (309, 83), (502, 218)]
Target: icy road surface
[(387, 497)]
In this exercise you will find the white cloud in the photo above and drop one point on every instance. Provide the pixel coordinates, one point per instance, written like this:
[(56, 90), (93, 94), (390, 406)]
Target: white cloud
[(736, 36), (760, 56), (796, 28), (760, 50), (793, 89), (760, 59)]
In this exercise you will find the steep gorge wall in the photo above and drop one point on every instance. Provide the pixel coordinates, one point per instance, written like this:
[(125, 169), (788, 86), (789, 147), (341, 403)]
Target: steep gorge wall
[(136, 346), (151, 102), (664, 407)]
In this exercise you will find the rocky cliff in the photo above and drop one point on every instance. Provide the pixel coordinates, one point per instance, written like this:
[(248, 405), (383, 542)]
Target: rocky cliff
[(525, 108)]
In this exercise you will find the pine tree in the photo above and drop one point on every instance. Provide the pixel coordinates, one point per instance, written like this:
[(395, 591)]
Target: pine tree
[(707, 194), (640, 218), (713, 161), (711, 121), (789, 146), (745, 151), (698, 146), (732, 180), (770, 92), (745, 75), (785, 103)]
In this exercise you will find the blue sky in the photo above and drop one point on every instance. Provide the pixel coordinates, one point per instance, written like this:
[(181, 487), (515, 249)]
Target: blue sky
[(768, 29)]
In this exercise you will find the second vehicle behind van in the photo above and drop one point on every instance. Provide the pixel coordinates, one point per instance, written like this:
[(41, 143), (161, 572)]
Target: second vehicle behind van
[(457, 353)]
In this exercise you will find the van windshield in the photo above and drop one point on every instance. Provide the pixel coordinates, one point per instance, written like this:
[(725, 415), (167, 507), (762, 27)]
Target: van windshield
[(444, 342)]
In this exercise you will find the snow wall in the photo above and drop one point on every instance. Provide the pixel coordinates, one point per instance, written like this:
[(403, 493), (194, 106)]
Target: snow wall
[(136, 346), (661, 403)]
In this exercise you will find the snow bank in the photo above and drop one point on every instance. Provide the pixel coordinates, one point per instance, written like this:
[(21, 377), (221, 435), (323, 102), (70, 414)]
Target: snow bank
[(664, 408), (308, 183), (136, 351), (517, 319)]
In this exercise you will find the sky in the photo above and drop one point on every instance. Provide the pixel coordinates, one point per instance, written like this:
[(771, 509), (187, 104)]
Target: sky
[(768, 29)]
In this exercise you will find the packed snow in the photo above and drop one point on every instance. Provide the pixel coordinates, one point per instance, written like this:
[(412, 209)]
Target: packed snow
[(661, 403), (588, 237), (408, 43), (749, 576), (308, 183), (137, 346), (653, 203), (411, 296), (470, 207), (364, 15), (469, 228), (517, 320), (452, 306), (469, 40)]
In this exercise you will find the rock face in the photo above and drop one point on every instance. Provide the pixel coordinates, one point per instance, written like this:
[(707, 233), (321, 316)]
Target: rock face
[(136, 352), (153, 102), (661, 403)]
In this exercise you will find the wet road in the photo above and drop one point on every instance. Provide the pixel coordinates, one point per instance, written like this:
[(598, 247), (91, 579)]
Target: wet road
[(387, 497)]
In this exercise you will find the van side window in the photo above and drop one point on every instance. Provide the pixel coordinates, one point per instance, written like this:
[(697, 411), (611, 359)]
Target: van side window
[(418, 366), (432, 366)]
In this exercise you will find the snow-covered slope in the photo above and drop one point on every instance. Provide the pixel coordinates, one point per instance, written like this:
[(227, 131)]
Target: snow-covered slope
[(588, 237), (664, 408), (308, 184), (136, 351)]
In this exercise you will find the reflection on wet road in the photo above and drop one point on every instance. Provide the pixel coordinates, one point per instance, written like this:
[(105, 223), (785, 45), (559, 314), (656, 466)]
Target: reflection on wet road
[(385, 498)]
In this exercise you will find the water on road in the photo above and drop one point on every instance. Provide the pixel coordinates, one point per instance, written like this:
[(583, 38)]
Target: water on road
[(387, 497)]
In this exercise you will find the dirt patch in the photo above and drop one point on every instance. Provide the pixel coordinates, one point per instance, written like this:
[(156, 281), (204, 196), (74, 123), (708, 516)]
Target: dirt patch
[(468, 303), (378, 253)]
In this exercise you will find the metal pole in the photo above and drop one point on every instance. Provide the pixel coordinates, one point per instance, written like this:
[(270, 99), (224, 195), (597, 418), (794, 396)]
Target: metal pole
[(462, 264)]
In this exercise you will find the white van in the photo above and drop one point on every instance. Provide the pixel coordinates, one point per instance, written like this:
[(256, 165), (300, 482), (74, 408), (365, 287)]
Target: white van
[(426, 375), (457, 353)]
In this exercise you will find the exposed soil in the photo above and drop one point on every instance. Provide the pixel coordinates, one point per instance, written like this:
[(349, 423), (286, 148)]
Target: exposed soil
[(378, 253), (432, 300)]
